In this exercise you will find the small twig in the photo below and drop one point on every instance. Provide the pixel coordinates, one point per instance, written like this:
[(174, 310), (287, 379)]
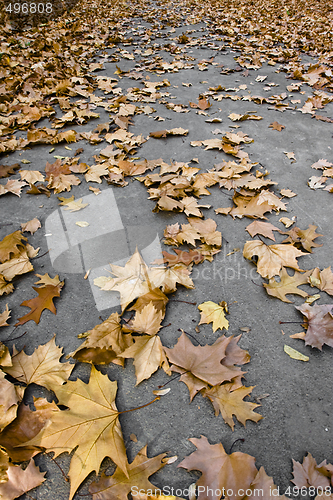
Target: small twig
[(185, 301), (62, 472), (139, 407), (261, 239), (39, 256), (256, 283), (284, 322), (13, 356), (180, 330), (15, 338), (164, 326), (172, 379), (239, 439)]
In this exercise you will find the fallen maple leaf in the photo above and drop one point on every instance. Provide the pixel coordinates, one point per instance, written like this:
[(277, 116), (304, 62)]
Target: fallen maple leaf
[(155, 296), (148, 355), (167, 278), (26, 425), (290, 155), (71, 204), (131, 280), (31, 176), (288, 193), (10, 395), (219, 470), (7, 170), (213, 313), (322, 280), (164, 133), (202, 362), (42, 367), (305, 237), (46, 294), (264, 228), (309, 473), (20, 481), (103, 343), (271, 258), (90, 425), (11, 245), (118, 485), (147, 321), (16, 266), (230, 402), (12, 186), (319, 324), (287, 284)]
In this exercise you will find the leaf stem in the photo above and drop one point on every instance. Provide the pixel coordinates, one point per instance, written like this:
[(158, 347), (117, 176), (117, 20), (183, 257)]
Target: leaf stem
[(172, 379), (39, 256), (15, 338), (185, 301), (62, 472), (239, 439), (256, 283), (139, 407)]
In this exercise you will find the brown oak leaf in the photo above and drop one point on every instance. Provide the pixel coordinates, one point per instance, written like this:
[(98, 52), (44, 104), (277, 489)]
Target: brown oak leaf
[(287, 284)]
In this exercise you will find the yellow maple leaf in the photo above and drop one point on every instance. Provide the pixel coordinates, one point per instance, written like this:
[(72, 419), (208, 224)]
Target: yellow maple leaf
[(213, 313), (90, 426)]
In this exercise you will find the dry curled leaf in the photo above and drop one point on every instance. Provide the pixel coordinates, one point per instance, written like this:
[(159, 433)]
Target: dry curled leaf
[(90, 425)]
